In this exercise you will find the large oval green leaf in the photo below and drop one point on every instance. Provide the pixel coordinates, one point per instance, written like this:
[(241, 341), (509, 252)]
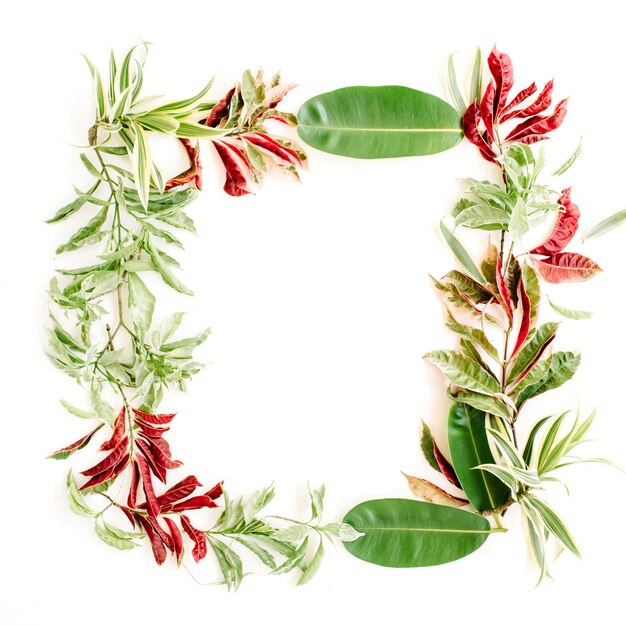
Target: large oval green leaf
[(469, 447), (408, 533), (379, 122)]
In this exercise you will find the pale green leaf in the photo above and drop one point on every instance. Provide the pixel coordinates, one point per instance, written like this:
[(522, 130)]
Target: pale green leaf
[(463, 371), (570, 313), (141, 303), (606, 225), (314, 566), (570, 161), (461, 253)]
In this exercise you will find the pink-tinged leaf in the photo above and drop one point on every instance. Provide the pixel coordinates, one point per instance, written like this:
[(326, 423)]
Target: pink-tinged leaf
[(215, 492), (119, 430), (541, 104), (566, 267), (486, 109), (267, 143), (111, 460), (503, 290), (179, 491), (197, 502), (194, 172), (502, 71), (565, 228), (446, 469), (532, 129), (176, 537), (284, 118), (112, 472), (63, 453), (161, 418), (507, 112), (426, 490), (151, 500), (525, 321), (134, 486), (200, 547), (151, 431), (219, 111), (471, 120), (157, 470), (275, 94), (128, 514), (158, 547), (236, 182)]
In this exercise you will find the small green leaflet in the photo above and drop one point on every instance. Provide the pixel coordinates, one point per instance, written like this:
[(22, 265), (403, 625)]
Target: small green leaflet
[(140, 303), (606, 225), (461, 253), (570, 161), (463, 371), (570, 313), (453, 87)]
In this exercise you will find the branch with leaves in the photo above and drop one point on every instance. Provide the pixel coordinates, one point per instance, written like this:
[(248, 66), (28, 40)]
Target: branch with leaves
[(103, 331)]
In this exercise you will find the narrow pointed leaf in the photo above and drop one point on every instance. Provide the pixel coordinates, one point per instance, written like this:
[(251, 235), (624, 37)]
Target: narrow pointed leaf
[(570, 161), (463, 371), (606, 225), (570, 313), (461, 253), (428, 491)]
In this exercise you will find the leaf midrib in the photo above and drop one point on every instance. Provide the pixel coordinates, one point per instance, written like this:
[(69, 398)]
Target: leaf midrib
[(482, 472), (424, 530), (384, 130)]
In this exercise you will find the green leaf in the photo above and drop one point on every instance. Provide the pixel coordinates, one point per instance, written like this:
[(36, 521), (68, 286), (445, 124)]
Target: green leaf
[(113, 539), (229, 562), (483, 402), (317, 501), (606, 225), (102, 408), (89, 166), (407, 533), (483, 217), (314, 566), (142, 164), (518, 224), (545, 449), (533, 349), (570, 161), (379, 122), (341, 531), (293, 533), (191, 130), (177, 107), (294, 560), (474, 335), (570, 313), (536, 537), (140, 303), (166, 274), (563, 366), (453, 87), (476, 88), (70, 408), (83, 235), (188, 343), (266, 558), (471, 352), (554, 524), (463, 371), (68, 209), (76, 500), (158, 122), (533, 291), (461, 253), (428, 447), (469, 448), (98, 88), (529, 448)]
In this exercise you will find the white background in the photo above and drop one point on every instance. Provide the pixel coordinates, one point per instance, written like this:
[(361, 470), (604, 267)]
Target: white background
[(320, 304)]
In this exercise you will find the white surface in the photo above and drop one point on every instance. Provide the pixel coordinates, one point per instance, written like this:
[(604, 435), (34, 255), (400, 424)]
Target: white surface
[(319, 299)]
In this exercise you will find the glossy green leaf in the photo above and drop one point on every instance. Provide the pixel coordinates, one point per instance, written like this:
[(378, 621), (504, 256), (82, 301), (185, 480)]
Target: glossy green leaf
[(379, 122), (140, 303), (529, 448), (463, 372), (407, 533), (469, 448), (570, 313), (606, 225), (428, 447)]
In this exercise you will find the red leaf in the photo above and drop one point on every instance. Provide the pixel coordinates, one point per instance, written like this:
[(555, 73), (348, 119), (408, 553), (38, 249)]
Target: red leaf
[(541, 104), (161, 418), (119, 430), (534, 127), (236, 183), (127, 512), (179, 491), (566, 267), (134, 485), (109, 461), (197, 502), (502, 71), (507, 112), (167, 540), (269, 144), (503, 290), (160, 452), (471, 119), (215, 492), (157, 470), (219, 111), (565, 228), (525, 322), (158, 547), (486, 110), (177, 538), (446, 469), (107, 474), (150, 431), (193, 172), (200, 547), (144, 470), (63, 453)]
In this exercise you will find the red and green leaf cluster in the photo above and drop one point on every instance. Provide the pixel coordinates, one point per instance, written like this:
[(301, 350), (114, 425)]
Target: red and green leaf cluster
[(483, 118), (248, 150)]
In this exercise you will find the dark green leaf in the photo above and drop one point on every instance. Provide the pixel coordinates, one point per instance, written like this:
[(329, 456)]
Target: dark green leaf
[(428, 448), (469, 447), (379, 122), (406, 533), (562, 367)]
